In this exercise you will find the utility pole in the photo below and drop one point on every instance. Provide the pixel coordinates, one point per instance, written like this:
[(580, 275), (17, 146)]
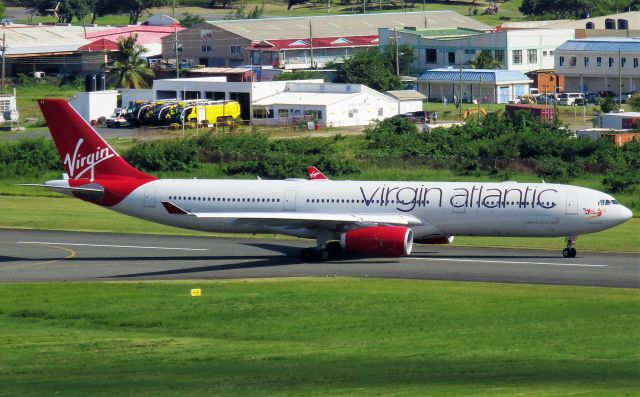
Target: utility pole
[(328, 6), (311, 43), (619, 77), (460, 92), (395, 37), (4, 49), (364, 6), (177, 57)]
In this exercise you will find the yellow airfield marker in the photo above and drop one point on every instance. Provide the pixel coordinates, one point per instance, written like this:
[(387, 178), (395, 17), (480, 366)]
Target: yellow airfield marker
[(196, 292)]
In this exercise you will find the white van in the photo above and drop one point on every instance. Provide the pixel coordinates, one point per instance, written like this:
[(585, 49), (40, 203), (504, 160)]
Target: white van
[(569, 98)]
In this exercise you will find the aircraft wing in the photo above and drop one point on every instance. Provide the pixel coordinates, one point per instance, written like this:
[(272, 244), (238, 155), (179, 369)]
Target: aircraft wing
[(301, 219)]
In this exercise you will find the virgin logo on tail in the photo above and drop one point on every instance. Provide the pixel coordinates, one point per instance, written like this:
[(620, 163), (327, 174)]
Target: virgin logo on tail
[(78, 164)]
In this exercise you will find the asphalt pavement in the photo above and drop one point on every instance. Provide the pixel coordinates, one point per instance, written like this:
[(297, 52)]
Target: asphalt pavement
[(33, 256)]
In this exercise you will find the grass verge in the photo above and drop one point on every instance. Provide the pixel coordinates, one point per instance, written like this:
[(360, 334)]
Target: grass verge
[(318, 337), (61, 213)]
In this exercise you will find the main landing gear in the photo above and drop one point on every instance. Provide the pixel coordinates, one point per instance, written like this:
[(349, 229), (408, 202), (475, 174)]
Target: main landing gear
[(325, 252), (570, 252)]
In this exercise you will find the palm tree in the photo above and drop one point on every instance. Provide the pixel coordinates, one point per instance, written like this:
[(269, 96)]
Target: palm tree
[(128, 68)]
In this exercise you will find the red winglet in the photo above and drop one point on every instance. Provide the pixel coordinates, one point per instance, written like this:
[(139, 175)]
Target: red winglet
[(173, 209), (314, 174)]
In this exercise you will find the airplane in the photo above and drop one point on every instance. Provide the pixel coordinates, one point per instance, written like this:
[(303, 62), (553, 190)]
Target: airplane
[(315, 174), (378, 218)]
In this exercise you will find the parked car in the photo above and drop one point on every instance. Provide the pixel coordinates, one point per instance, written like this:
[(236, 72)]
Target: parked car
[(117, 119), (569, 98), (545, 99), (417, 117), (591, 98), (606, 94)]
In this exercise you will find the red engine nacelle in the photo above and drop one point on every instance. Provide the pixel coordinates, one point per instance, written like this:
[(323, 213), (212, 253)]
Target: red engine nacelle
[(435, 240), (379, 240)]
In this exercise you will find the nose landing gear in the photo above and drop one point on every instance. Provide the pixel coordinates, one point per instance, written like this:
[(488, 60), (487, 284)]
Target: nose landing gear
[(570, 251)]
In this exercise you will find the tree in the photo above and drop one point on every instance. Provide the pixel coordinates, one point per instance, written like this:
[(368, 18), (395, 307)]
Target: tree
[(2, 9), (367, 67), (484, 60), (136, 8), (405, 57), (634, 102), (129, 67), (190, 20), (299, 75), (240, 13), (606, 105)]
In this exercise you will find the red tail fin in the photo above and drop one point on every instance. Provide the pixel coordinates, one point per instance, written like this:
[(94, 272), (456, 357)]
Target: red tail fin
[(314, 174), (84, 153)]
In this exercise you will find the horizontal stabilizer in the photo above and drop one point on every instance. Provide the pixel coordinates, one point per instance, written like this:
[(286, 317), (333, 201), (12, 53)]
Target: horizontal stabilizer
[(174, 209), (78, 189)]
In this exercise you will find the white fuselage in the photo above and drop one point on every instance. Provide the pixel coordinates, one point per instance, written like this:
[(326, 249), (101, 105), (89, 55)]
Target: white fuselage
[(445, 208)]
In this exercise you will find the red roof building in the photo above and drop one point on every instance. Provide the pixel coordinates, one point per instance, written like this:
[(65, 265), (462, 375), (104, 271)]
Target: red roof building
[(148, 36), (297, 53)]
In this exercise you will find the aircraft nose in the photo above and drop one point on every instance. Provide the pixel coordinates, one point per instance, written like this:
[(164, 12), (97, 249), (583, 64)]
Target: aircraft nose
[(625, 213)]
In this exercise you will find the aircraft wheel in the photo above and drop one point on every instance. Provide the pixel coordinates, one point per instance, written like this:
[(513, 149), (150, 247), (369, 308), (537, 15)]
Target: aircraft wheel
[(566, 253), (308, 254), (334, 248), (325, 255), (573, 252)]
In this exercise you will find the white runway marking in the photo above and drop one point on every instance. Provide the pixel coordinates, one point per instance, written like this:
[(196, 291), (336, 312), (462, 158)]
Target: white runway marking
[(115, 246), (508, 262)]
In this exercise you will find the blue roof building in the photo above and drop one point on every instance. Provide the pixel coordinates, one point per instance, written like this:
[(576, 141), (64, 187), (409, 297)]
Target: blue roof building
[(599, 64), (486, 85)]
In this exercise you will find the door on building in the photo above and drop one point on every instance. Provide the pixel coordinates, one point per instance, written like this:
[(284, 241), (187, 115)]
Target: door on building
[(451, 57), (503, 94)]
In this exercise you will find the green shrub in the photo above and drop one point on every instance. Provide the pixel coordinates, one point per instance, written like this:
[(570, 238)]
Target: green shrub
[(28, 157), (170, 155)]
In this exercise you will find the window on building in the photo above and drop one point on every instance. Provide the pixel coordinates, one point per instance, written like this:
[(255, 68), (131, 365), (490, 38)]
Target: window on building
[(599, 62), (561, 60), (206, 48), (635, 63), (353, 113), (451, 57), (623, 61), (205, 33), (609, 23), (586, 62), (611, 62), (498, 55), (590, 25), (517, 57), (283, 113), (380, 112), (572, 62), (532, 56), (544, 53), (469, 52), (235, 49), (431, 55), (623, 24)]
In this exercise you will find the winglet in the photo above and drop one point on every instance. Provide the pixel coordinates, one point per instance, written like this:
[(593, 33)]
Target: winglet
[(174, 209), (314, 174)]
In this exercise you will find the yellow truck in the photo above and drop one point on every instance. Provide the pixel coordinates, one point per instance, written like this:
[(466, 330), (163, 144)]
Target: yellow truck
[(212, 112)]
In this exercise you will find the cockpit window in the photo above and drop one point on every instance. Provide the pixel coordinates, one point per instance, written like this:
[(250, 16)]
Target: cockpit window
[(615, 202), (601, 202), (608, 202)]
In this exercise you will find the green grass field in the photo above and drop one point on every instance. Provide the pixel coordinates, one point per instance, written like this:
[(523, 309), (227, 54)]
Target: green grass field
[(318, 337)]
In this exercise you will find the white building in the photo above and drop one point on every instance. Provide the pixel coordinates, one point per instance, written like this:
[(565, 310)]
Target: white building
[(599, 64), (518, 50), (485, 85), (408, 100), (280, 102), (617, 121)]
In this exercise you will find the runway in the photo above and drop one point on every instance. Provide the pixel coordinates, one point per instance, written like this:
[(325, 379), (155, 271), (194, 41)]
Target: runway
[(36, 256)]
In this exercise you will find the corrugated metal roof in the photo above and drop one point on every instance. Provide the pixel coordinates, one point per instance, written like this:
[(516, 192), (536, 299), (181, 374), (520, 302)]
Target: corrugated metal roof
[(605, 44), (474, 75), (347, 25), (407, 95)]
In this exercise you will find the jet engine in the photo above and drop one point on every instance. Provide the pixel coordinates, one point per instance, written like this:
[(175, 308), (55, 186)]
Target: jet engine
[(435, 240), (379, 240)]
